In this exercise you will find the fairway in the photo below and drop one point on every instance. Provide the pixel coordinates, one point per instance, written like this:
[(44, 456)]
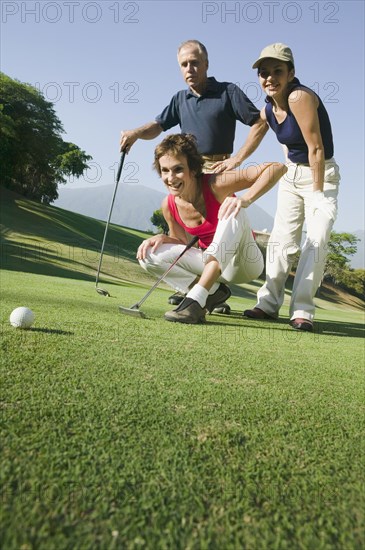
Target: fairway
[(126, 433)]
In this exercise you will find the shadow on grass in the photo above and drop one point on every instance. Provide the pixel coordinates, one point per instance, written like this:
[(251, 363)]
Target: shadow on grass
[(51, 331), (241, 292), (337, 328), (321, 327), (33, 259)]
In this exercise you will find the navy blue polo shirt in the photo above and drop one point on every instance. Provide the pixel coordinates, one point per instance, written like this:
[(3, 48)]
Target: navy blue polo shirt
[(211, 117)]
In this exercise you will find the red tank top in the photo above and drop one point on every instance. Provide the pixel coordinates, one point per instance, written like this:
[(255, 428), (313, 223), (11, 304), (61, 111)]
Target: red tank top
[(205, 230)]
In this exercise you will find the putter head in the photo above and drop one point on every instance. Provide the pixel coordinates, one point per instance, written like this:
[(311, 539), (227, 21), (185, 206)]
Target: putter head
[(102, 292), (132, 311)]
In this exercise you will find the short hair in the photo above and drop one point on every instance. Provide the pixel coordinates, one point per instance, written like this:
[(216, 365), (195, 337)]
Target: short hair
[(178, 145), (202, 49)]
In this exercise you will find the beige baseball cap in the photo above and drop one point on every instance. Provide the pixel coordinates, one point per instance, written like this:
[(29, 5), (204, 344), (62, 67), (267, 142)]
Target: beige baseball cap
[(275, 51)]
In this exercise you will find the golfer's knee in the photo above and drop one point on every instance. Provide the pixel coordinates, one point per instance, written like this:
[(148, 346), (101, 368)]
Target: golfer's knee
[(152, 263)]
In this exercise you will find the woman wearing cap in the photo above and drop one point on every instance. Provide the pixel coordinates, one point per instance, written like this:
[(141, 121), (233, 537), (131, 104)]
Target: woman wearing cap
[(307, 192), (204, 205)]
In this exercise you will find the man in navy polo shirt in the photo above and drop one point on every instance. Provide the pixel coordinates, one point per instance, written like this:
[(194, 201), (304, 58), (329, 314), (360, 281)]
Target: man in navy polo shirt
[(207, 109)]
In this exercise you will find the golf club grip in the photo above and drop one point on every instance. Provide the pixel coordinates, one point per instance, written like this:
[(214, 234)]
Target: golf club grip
[(187, 247), (120, 167), (190, 244)]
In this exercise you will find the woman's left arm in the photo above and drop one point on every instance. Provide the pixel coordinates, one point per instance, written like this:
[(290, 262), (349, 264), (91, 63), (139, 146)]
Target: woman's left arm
[(304, 106), (256, 180)]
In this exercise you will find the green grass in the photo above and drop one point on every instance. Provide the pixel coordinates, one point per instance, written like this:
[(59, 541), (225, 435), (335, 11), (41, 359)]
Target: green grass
[(120, 432), (51, 241)]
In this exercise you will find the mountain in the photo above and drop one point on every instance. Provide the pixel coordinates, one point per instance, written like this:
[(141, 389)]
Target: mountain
[(133, 206)]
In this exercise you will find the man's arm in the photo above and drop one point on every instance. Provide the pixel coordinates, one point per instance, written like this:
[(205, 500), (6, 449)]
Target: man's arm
[(147, 131), (254, 138)]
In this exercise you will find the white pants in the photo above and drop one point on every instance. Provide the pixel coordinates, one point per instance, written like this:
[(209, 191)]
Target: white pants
[(293, 208), (233, 246)]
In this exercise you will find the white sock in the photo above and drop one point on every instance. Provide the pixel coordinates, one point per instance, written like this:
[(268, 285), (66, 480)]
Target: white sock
[(199, 294), (214, 288)]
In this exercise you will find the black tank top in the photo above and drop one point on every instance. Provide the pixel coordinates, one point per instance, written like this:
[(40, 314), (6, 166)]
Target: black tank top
[(289, 133)]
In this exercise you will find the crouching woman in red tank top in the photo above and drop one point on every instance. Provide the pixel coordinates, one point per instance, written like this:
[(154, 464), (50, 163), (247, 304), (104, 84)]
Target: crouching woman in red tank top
[(204, 205)]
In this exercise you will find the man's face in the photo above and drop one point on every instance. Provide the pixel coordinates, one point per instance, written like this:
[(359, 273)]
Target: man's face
[(194, 67)]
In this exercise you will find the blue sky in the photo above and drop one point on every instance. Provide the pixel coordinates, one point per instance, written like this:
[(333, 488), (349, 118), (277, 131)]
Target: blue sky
[(111, 65)]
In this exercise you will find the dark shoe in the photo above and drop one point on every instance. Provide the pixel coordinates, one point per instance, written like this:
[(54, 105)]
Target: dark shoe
[(221, 295), (189, 311), (257, 313), (176, 299), (302, 324)]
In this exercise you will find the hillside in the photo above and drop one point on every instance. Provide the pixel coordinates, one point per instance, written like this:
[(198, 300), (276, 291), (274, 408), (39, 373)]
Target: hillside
[(48, 240), (52, 241), (134, 205)]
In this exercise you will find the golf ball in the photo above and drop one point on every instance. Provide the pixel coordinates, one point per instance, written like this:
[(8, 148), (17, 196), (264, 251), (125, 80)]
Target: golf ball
[(22, 317)]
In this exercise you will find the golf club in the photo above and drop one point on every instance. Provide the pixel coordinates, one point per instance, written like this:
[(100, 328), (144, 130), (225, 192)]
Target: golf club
[(134, 310), (120, 168)]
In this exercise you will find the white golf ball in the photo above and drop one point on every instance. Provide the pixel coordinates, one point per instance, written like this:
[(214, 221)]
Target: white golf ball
[(22, 317)]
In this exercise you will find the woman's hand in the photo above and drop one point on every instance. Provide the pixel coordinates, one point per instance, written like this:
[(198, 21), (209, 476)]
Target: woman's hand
[(153, 242), (230, 205), (324, 204)]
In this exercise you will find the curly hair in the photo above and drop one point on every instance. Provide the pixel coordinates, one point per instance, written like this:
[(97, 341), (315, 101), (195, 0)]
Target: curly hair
[(180, 145)]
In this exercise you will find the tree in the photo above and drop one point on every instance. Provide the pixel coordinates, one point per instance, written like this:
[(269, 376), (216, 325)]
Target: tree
[(337, 267), (159, 221), (33, 156), (359, 282), (340, 246)]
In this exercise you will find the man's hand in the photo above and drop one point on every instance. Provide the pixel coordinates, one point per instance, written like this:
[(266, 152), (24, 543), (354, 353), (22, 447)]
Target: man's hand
[(127, 138), (148, 131)]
